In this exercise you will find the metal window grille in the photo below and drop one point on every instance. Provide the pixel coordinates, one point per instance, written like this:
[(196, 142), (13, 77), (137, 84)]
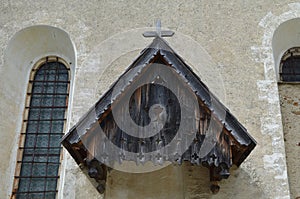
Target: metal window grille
[(38, 164), (290, 65)]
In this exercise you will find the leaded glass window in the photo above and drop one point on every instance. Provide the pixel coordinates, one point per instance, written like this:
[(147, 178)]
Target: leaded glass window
[(38, 165), (290, 65)]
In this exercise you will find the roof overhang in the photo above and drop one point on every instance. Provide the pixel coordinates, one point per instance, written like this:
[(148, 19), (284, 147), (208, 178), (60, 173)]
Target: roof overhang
[(217, 132)]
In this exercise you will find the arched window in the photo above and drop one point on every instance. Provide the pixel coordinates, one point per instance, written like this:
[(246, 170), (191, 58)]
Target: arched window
[(290, 65), (39, 156)]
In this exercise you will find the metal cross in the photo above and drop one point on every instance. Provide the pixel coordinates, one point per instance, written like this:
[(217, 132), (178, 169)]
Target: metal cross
[(158, 32)]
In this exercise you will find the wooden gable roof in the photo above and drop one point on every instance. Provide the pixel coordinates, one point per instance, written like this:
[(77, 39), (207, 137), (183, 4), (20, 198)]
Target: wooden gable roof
[(232, 141)]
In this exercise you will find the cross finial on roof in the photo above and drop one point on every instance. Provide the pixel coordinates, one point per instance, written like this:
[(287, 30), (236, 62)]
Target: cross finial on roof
[(158, 32)]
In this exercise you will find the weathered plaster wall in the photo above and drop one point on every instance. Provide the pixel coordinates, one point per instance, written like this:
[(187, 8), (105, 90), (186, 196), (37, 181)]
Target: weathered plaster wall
[(290, 109), (237, 35), (277, 28)]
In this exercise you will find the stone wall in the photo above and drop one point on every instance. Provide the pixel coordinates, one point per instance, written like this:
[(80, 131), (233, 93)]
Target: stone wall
[(233, 38)]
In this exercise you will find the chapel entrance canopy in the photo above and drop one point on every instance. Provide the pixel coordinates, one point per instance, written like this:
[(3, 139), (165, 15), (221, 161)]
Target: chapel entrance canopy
[(158, 111)]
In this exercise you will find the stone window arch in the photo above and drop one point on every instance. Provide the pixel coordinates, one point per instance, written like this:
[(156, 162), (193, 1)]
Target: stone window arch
[(26, 52), (39, 154), (285, 45), (286, 53)]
